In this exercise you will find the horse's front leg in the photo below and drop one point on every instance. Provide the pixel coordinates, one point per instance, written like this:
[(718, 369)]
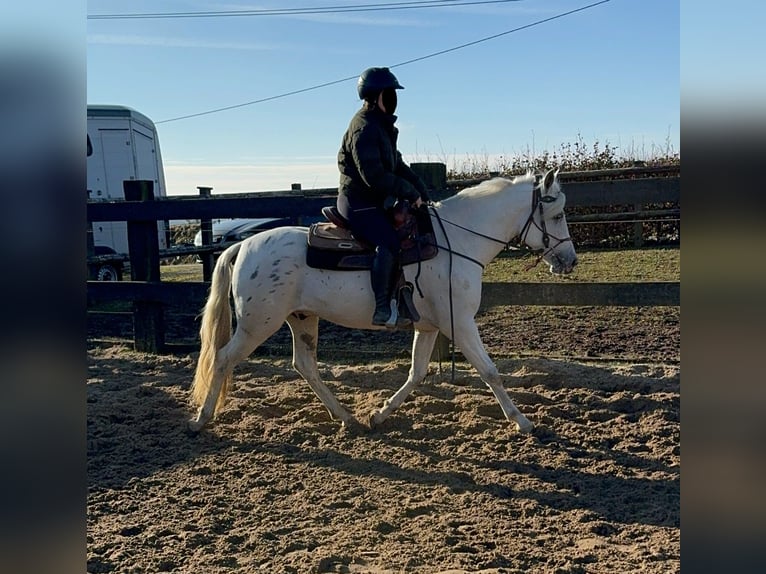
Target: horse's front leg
[(422, 346), (468, 339), (305, 331)]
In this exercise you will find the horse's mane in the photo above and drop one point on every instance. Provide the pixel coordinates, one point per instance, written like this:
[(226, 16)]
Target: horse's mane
[(492, 186)]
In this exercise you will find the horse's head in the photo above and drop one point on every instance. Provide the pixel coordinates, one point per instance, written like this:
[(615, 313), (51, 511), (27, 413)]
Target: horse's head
[(546, 229)]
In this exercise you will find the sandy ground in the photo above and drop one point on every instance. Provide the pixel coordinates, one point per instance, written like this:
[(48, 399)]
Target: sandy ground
[(444, 486)]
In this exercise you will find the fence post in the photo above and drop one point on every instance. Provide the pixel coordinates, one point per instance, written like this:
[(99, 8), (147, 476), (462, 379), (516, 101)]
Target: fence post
[(296, 188), (434, 175), (144, 248), (206, 228), (638, 228)]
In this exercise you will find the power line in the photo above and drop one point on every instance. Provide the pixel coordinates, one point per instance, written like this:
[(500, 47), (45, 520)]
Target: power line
[(419, 59), (299, 11), (494, 36), (278, 96)]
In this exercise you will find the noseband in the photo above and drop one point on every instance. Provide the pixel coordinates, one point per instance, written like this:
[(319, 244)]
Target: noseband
[(537, 205)]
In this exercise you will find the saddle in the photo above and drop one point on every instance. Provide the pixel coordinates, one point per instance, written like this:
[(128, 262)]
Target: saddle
[(332, 246)]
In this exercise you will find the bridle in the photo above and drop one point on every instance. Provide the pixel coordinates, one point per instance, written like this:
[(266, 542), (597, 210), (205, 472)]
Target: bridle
[(537, 205), (538, 201)]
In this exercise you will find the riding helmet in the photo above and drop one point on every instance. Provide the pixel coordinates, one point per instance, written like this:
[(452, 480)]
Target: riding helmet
[(375, 80)]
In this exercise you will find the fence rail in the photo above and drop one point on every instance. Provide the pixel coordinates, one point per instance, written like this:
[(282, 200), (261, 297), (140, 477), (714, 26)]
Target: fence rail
[(494, 294), (300, 204), (150, 295)]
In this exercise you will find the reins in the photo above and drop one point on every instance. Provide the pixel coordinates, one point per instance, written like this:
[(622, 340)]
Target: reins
[(439, 218), (537, 205), (451, 309)]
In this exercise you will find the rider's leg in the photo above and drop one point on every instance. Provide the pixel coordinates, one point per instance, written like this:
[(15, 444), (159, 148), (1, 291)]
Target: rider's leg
[(383, 267), (374, 226)]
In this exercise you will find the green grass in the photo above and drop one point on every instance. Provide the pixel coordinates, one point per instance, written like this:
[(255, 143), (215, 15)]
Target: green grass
[(181, 272), (595, 266)]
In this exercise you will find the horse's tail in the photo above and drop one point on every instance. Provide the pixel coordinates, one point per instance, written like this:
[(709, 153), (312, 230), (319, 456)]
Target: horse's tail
[(215, 331)]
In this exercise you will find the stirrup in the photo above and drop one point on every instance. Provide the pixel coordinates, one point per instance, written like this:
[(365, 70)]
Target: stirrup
[(406, 295), (380, 319), (392, 318)]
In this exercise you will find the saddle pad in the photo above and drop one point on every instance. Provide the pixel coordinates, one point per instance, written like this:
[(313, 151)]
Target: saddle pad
[(329, 237)]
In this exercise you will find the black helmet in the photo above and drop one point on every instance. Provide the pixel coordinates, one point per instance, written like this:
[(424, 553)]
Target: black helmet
[(375, 80)]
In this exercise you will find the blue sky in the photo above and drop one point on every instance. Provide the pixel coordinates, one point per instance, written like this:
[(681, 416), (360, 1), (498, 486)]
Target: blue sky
[(607, 74)]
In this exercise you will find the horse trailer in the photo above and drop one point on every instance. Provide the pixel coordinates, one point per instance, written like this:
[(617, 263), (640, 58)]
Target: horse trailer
[(122, 145)]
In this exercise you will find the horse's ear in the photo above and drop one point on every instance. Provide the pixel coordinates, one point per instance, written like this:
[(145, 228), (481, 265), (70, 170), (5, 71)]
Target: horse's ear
[(549, 178)]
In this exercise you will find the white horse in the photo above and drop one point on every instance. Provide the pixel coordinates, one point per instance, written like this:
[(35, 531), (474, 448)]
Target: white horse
[(270, 283)]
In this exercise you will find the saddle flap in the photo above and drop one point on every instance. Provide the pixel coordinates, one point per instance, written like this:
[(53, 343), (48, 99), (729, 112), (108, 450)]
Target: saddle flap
[(330, 237)]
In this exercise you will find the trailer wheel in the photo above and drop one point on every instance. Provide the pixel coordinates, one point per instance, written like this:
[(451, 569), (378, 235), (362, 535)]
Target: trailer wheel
[(109, 272)]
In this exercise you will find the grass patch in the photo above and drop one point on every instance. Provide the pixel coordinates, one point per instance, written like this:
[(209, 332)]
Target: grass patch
[(181, 272), (595, 266)]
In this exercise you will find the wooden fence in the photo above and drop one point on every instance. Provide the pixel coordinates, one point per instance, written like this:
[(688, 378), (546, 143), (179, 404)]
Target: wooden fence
[(150, 295)]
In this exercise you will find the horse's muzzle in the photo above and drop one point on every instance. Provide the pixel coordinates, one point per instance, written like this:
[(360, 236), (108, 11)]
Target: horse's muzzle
[(561, 267)]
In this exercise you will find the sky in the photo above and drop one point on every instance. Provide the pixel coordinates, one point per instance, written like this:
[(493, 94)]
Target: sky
[(482, 81)]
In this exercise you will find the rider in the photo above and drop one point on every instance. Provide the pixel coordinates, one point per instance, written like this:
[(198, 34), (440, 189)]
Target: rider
[(373, 177)]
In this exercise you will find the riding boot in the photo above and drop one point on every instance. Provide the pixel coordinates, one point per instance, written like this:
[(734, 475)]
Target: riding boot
[(383, 267)]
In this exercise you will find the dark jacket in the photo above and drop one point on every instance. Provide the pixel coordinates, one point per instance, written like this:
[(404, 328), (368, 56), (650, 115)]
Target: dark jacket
[(371, 168)]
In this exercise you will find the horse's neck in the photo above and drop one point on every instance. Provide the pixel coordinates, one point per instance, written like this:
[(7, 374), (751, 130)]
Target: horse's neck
[(499, 215)]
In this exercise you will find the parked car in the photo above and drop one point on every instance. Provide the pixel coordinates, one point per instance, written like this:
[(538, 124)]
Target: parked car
[(229, 231), (107, 270)]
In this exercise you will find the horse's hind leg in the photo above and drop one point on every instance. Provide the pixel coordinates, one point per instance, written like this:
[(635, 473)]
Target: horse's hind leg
[(226, 358), (305, 330), (468, 339), (422, 346)]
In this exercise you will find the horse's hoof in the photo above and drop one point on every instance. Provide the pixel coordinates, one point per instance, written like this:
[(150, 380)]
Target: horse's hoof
[(524, 427), (193, 427), (352, 427), (376, 417)]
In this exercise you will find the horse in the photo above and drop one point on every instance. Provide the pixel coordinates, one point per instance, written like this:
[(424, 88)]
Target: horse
[(267, 278)]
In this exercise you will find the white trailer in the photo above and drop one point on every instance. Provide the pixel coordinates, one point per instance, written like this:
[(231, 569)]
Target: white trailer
[(122, 145)]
